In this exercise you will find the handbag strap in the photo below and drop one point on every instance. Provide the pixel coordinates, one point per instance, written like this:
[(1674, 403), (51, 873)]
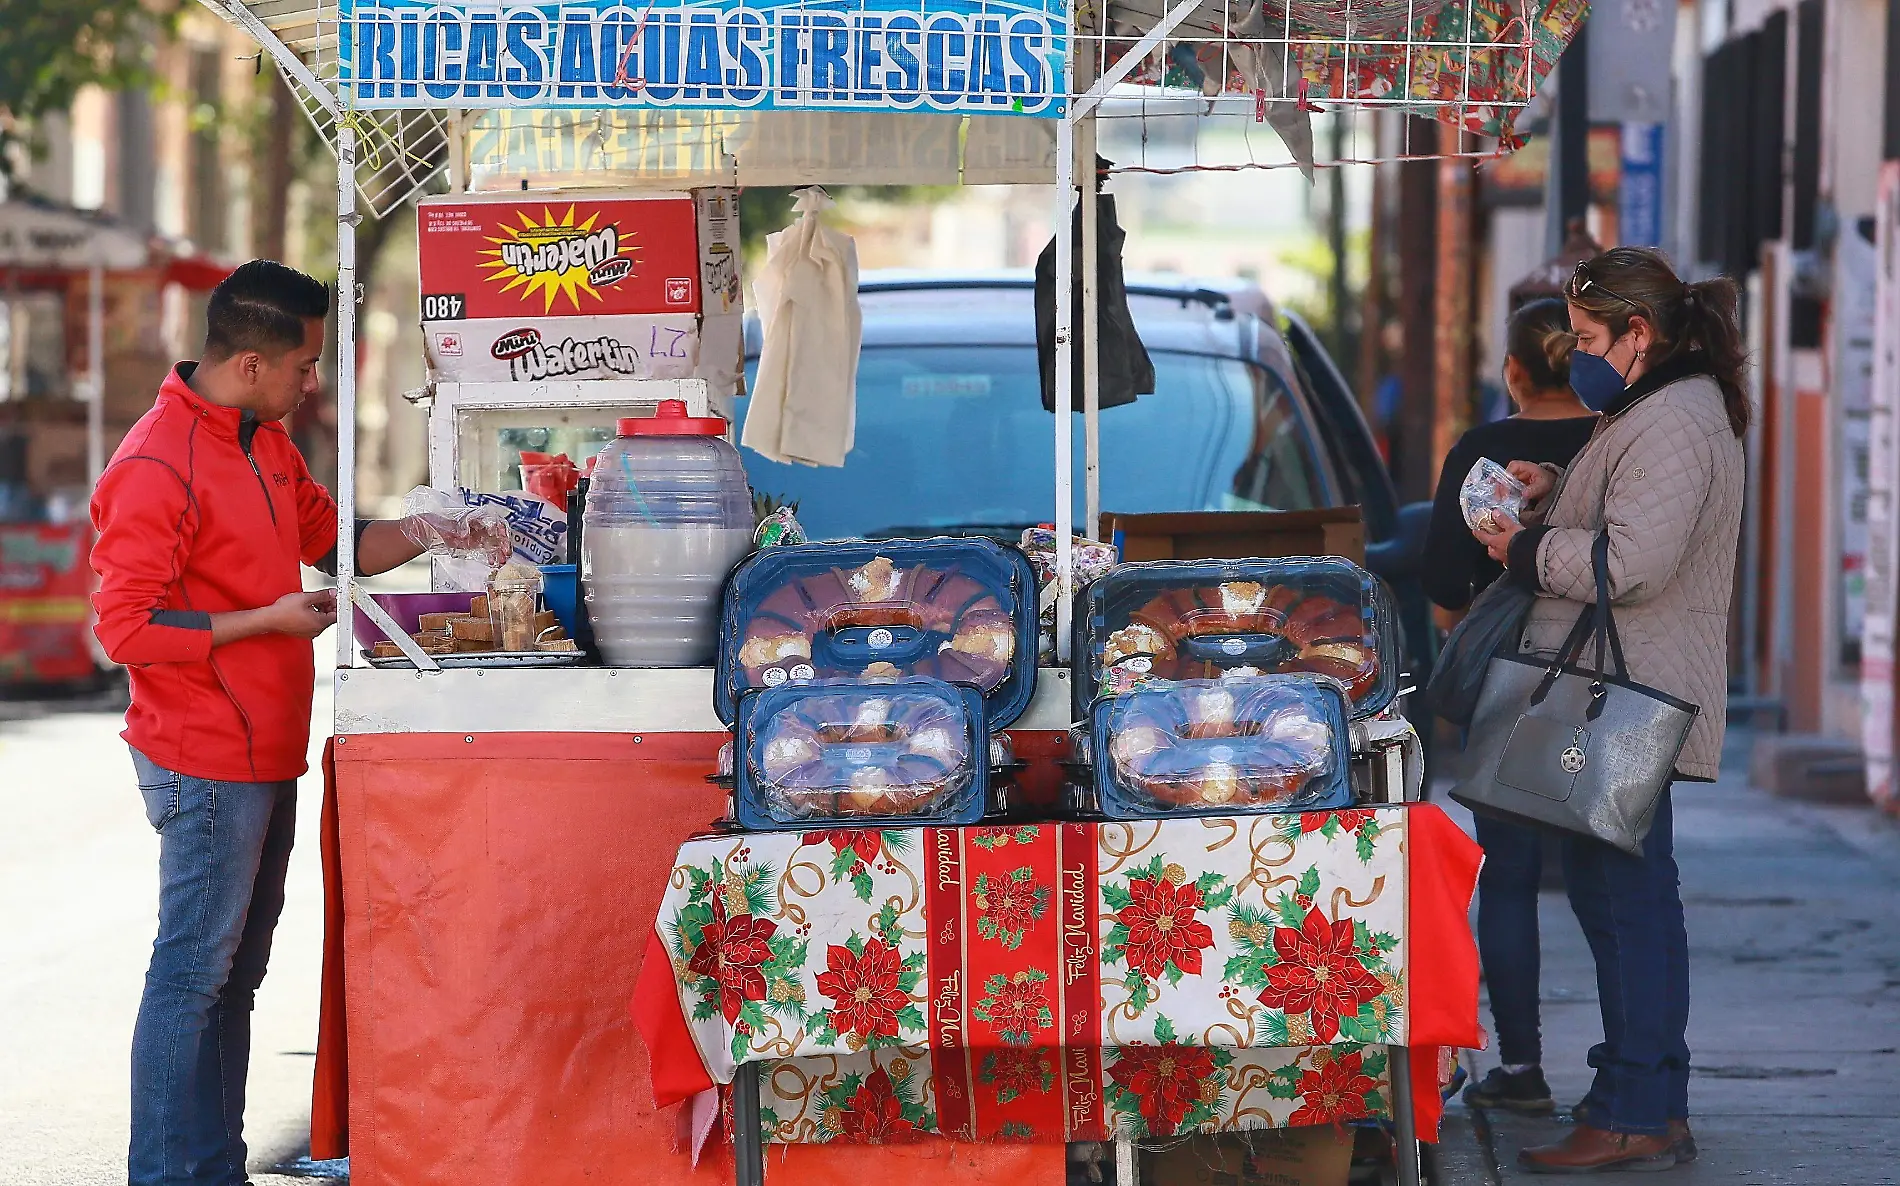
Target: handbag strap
[(1597, 618)]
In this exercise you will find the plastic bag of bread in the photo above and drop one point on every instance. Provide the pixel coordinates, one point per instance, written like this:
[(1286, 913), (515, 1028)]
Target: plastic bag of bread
[(1201, 620), (1267, 743), (959, 610), (907, 751), (1490, 496)]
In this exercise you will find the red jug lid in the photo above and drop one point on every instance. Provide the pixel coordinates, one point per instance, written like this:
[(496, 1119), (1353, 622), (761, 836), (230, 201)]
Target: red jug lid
[(671, 420)]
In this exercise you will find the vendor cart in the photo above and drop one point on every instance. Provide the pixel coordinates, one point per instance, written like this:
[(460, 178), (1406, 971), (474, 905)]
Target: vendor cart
[(499, 842)]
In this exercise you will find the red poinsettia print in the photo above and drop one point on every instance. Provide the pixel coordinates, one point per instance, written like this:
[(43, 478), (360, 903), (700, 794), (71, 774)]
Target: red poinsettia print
[(1350, 820), (875, 1116), (865, 988), (863, 843), (1017, 1005), (1009, 905), (1017, 1073), (1162, 927), (1166, 1079), (731, 951), (1319, 972), (1336, 1090)]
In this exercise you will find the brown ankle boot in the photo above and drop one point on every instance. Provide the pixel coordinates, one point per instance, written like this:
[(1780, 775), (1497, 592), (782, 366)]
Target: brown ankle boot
[(1589, 1150), (1683, 1141)]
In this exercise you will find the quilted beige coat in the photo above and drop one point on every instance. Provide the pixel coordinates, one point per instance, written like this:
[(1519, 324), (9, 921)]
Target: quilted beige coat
[(1666, 476)]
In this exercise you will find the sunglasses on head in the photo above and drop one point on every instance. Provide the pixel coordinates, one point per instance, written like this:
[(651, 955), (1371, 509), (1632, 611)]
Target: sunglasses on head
[(1580, 283)]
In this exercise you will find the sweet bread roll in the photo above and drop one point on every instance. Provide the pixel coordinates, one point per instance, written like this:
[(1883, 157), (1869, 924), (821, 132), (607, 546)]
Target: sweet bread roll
[(1210, 713), (877, 581), (762, 650), (938, 742), (993, 639), (1137, 638), (883, 671), (1242, 598), (1134, 745), (787, 752)]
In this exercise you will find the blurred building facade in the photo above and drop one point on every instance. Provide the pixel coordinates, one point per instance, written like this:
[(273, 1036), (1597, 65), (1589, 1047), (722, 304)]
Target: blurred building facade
[(216, 157)]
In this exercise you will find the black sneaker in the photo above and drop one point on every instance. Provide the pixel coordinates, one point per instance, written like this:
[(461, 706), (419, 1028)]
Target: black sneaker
[(1525, 1093)]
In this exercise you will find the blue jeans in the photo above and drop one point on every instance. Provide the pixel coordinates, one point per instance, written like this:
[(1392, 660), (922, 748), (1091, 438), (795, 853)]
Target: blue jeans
[(1631, 911), (223, 853), (1507, 934)]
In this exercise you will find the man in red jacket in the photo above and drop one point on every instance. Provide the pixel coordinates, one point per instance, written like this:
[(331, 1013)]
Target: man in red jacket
[(203, 518)]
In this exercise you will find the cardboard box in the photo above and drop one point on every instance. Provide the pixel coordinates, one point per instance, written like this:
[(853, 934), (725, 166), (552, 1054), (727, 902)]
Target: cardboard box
[(530, 350), (1277, 1157), (1235, 535), (528, 287)]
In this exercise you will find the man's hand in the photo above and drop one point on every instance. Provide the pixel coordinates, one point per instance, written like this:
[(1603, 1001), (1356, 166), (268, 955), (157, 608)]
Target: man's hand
[(479, 534), (1536, 479), (300, 615), (304, 615)]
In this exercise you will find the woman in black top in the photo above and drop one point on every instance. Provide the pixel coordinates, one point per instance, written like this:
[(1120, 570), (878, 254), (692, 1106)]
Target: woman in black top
[(1551, 425)]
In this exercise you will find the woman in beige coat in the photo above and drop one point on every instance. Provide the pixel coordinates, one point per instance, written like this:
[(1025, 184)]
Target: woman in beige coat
[(1663, 475)]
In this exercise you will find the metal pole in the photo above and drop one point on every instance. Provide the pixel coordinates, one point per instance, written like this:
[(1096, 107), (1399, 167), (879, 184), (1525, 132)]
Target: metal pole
[(1065, 393), (748, 1147), (96, 374), (1085, 169), (1404, 1119), (346, 219)]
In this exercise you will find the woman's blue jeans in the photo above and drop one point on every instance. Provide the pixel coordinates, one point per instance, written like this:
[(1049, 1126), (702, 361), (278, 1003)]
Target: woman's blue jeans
[(1507, 935), (223, 854), (1631, 911)]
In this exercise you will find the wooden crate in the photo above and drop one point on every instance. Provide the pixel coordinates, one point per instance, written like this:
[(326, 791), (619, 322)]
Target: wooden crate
[(1233, 535)]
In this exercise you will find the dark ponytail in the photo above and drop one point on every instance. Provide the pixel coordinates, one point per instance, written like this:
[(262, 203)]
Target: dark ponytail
[(1700, 319), (1713, 326), (1539, 337)]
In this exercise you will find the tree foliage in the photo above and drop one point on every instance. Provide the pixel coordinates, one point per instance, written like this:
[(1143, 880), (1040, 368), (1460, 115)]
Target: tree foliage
[(49, 49)]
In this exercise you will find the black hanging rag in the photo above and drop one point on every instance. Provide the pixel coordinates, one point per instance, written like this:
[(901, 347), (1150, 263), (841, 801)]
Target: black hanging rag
[(1126, 371)]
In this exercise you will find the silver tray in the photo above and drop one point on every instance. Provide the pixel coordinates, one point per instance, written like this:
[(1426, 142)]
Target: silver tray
[(501, 659)]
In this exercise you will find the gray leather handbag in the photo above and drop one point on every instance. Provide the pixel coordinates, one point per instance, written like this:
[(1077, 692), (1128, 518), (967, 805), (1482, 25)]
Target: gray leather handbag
[(1579, 749)]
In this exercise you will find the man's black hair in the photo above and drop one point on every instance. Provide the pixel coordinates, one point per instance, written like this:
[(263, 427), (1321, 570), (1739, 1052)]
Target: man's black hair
[(262, 306)]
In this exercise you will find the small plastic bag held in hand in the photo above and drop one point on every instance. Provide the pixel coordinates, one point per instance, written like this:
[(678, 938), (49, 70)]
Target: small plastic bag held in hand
[(1489, 496), (440, 524)]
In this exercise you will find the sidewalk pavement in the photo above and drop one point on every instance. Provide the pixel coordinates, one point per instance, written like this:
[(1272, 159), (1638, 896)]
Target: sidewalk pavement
[(1794, 948)]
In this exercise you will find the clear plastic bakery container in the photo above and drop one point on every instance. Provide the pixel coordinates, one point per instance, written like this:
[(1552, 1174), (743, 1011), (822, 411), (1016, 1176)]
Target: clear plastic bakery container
[(1233, 619), (904, 753), (958, 610), (1272, 743)]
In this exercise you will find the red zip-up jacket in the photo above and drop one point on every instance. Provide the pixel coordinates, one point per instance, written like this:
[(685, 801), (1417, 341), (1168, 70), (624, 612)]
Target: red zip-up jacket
[(202, 511)]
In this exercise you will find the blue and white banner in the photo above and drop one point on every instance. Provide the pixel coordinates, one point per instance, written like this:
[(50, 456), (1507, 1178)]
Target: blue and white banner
[(965, 57)]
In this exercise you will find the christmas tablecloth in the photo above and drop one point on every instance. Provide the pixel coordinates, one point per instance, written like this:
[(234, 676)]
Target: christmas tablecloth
[(1066, 981)]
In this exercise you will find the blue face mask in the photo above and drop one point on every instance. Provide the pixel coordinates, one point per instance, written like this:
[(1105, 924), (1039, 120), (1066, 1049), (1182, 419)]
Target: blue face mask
[(1595, 379)]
